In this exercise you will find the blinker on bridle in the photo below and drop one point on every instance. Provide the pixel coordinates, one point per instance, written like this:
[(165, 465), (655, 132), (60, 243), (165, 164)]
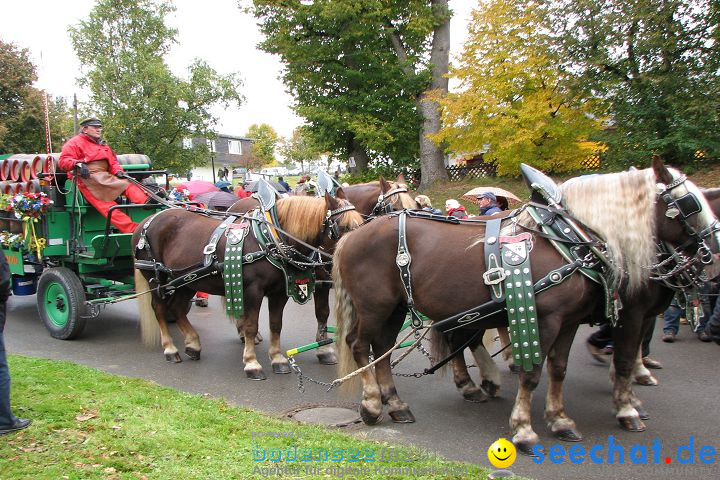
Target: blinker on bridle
[(331, 224), (381, 206), (688, 206)]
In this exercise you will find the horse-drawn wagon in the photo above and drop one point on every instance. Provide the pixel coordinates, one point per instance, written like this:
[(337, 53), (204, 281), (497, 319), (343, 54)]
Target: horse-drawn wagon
[(59, 247)]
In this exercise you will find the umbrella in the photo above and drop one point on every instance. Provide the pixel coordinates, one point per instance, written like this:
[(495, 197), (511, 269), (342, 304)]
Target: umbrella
[(222, 184), (196, 187), (498, 192), (252, 187), (216, 200)]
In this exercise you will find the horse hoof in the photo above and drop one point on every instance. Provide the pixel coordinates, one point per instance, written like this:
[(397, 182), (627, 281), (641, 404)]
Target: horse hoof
[(525, 448), (514, 368), (632, 424), (642, 413), (475, 396), (192, 353), (647, 380), (402, 416), (368, 418), (281, 368), (327, 358), (491, 388), (568, 435), (173, 357), (255, 374)]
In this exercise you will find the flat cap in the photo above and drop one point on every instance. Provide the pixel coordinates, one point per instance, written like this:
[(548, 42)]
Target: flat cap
[(91, 122)]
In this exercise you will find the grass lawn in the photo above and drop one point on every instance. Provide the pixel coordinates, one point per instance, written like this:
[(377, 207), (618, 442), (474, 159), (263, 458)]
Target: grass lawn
[(89, 424)]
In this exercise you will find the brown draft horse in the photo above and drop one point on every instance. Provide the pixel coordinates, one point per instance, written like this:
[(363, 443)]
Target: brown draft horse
[(176, 237), (365, 198), (371, 299), (658, 296)]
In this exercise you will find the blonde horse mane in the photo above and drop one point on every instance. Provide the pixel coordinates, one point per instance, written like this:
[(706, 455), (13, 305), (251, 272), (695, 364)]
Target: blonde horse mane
[(303, 216), (620, 208)]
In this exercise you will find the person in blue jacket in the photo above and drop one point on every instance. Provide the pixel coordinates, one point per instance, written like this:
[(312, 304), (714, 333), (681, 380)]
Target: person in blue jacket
[(488, 204)]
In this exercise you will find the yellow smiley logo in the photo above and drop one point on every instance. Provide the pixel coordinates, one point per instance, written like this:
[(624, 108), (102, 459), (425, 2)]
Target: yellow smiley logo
[(502, 453)]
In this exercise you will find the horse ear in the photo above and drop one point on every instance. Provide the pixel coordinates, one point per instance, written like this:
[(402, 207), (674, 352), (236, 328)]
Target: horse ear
[(661, 172), (330, 201), (340, 193), (401, 179), (384, 184)]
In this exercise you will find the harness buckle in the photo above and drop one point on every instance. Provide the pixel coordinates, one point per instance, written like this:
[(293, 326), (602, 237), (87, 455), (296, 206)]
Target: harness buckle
[(494, 276)]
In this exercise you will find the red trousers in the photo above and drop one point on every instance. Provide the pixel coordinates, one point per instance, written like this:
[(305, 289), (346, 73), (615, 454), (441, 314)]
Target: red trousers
[(121, 221)]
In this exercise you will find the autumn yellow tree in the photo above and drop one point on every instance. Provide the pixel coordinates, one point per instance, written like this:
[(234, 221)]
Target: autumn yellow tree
[(514, 97)]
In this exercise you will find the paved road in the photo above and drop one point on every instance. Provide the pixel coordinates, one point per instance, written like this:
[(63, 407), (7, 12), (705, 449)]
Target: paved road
[(684, 405)]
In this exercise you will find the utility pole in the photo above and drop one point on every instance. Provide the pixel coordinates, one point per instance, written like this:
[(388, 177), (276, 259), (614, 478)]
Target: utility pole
[(75, 119)]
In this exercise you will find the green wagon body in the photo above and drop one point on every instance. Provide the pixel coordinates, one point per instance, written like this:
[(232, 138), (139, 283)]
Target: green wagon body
[(81, 267)]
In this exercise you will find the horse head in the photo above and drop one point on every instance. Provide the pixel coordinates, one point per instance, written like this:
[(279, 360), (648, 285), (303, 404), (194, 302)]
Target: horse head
[(340, 218), (688, 230), (394, 196)]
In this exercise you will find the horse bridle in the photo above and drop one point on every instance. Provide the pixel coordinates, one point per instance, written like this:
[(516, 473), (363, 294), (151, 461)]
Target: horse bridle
[(330, 224), (382, 206), (678, 269)]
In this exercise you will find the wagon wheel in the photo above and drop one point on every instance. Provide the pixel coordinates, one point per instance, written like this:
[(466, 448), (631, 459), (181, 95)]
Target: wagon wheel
[(61, 303)]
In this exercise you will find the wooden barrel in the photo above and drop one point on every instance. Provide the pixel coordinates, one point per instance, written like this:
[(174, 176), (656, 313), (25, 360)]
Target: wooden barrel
[(133, 159), (5, 186), (33, 186), (5, 170), (50, 163), (26, 170)]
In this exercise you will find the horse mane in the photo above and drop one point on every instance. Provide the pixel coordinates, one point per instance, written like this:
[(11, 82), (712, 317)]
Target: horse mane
[(303, 216), (620, 208)]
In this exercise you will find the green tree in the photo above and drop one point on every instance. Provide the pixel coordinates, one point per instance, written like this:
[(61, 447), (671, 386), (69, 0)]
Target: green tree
[(265, 141), (22, 112), (359, 71), (513, 96), (300, 148), (145, 108), (655, 64)]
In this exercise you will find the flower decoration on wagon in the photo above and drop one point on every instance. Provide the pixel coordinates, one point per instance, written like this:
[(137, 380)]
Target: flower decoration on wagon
[(28, 205), (179, 195)]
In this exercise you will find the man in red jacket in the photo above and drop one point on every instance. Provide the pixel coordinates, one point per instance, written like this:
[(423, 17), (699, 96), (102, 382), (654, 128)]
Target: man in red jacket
[(102, 179)]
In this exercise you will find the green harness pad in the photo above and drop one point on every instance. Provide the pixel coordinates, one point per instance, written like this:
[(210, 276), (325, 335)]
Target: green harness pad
[(232, 274), (299, 283), (520, 300)]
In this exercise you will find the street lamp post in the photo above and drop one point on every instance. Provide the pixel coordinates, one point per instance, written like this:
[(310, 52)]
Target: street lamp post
[(212, 162)]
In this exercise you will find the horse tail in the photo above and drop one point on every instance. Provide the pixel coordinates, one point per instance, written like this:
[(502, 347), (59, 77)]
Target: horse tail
[(439, 347), (149, 327), (346, 319)]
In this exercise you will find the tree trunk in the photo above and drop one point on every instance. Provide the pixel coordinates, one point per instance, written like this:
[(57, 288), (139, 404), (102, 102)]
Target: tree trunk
[(432, 159), (359, 155)]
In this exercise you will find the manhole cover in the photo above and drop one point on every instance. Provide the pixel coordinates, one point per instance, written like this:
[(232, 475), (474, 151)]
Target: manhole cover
[(329, 415)]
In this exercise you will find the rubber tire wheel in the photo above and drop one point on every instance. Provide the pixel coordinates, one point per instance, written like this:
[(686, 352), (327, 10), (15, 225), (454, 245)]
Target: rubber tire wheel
[(61, 303)]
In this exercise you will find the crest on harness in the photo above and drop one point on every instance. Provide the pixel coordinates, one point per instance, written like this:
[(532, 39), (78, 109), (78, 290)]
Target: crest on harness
[(236, 232)]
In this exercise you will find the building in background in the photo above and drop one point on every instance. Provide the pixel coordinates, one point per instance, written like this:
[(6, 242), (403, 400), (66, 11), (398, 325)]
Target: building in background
[(226, 151)]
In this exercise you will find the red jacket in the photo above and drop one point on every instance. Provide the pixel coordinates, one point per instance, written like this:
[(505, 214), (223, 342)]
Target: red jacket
[(82, 148)]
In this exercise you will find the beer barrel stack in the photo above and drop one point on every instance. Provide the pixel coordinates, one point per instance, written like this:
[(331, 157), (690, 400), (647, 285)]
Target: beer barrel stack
[(19, 172)]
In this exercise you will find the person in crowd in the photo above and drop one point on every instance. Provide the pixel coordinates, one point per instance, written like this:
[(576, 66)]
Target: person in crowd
[(502, 202), (488, 204), (8, 422), (101, 178), (426, 205), (285, 185), (240, 191), (600, 343), (454, 209)]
